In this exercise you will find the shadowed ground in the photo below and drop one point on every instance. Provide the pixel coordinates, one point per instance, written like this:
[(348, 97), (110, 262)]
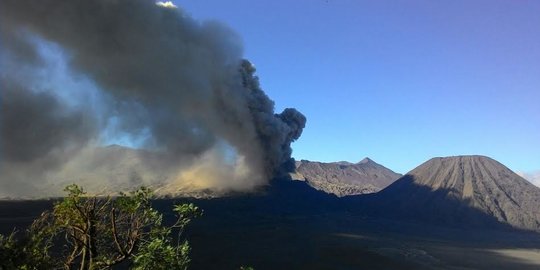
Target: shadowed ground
[(291, 226)]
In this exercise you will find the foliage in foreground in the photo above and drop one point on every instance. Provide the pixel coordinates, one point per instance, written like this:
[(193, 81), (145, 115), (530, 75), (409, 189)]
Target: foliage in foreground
[(85, 232)]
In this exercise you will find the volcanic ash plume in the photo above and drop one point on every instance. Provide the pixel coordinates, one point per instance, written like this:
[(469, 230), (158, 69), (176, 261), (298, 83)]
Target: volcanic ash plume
[(77, 76)]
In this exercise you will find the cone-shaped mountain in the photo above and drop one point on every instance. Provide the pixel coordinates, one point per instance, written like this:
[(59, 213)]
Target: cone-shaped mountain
[(463, 189)]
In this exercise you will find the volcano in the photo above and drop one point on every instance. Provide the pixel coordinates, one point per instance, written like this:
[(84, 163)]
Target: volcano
[(465, 190), (345, 178)]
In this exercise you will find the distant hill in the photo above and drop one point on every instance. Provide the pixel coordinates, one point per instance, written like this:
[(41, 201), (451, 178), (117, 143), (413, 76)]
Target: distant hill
[(463, 189), (345, 178)]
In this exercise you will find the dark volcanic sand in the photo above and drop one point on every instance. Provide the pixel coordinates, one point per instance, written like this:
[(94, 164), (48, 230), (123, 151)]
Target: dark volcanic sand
[(293, 227)]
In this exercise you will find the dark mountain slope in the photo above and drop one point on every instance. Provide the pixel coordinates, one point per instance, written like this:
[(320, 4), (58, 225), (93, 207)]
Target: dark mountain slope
[(462, 190), (264, 228)]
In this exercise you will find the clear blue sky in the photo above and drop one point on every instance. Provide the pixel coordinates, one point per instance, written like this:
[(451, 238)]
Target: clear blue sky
[(398, 81)]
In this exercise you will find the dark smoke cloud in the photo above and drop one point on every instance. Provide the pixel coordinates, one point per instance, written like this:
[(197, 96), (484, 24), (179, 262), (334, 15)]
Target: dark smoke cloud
[(178, 86), (38, 134), (34, 125), (275, 132)]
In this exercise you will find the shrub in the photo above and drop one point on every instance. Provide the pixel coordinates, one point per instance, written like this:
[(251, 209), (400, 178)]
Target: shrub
[(89, 232)]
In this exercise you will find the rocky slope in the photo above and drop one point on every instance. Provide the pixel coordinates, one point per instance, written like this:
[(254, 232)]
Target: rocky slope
[(344, 178), (464, 189)]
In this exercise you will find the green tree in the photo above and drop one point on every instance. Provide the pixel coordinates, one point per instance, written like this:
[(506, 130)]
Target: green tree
[(87, 232), (22, 254)]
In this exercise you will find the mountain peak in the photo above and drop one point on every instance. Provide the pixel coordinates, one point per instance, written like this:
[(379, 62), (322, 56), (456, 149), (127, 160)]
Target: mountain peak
[(462, 174), (343, 178), (452, 184), (365, 161), (463, 158)]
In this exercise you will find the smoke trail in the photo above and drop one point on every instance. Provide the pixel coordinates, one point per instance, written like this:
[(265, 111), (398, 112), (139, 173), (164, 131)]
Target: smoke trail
[(177, 87)]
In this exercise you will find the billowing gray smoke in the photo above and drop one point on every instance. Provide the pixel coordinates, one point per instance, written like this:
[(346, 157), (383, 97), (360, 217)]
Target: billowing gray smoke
[(149, 74)]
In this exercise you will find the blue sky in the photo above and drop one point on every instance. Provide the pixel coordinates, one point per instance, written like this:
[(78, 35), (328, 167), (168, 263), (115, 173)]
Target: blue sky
[(398, 81)]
